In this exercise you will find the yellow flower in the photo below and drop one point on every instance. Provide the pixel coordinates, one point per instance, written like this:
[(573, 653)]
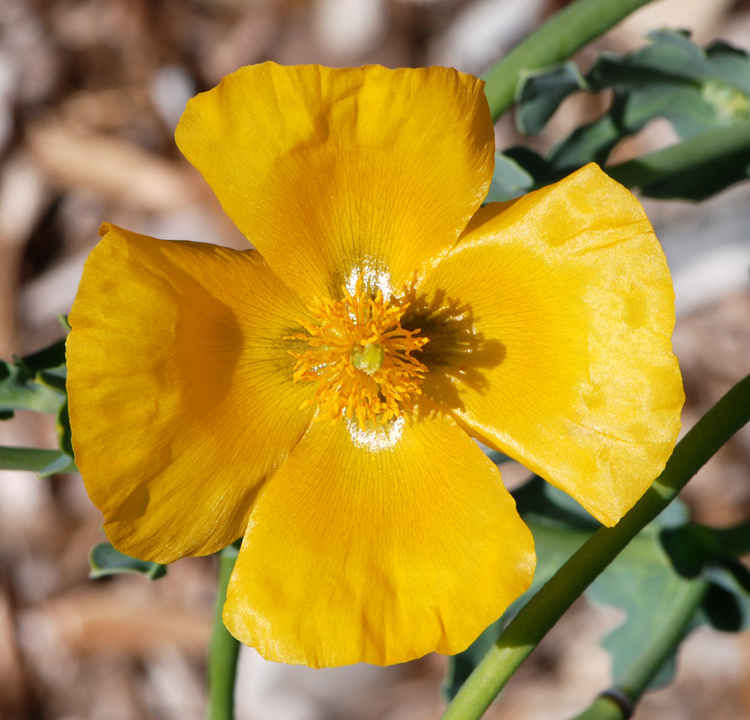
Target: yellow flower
[(318, 396)]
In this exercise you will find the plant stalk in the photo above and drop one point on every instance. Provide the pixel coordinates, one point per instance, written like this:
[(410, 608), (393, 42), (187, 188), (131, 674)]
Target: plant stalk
[(603, 708), (225, 649), (29, 459), (538, 616), (706, 149), (564, 33), (656, 653)]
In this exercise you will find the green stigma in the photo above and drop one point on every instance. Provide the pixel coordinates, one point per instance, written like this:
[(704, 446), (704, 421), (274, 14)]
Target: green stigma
[(368, 358)]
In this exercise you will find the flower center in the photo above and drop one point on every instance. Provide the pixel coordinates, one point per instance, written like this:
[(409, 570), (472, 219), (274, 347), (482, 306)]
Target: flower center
[(368, 358), (361, 358)]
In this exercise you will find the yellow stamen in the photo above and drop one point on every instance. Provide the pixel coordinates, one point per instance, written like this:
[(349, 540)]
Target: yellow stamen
[(360, 356)]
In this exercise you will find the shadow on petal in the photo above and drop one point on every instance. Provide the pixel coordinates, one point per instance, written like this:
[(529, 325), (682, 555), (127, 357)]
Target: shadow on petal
[(457, 354)]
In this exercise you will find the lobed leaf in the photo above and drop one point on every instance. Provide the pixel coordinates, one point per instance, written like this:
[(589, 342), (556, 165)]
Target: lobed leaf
[(540, 93), (646, 580), (23, 389), (35, 382), (699, 91), (105, 561), (509, 180)]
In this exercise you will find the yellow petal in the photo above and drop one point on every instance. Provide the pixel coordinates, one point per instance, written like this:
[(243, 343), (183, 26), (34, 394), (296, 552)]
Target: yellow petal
[(336, 173), (378, 548), (181, 394), (562, 355)]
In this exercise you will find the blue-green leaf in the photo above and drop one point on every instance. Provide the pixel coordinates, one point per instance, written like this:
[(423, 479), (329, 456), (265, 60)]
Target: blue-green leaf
[(699, 91), (588, 143), (35, 382), (105, 561), (509, 180), (540, 92), (642, 580), (23, 389), (560, 526), (643, 583), (727, 603)]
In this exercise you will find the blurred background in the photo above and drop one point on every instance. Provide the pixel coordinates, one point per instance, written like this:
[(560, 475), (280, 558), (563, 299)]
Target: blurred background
[(90, 93)]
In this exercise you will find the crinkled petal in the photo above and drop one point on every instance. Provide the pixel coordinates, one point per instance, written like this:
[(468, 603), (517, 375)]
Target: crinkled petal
[(555, 344), (378, 547), (337, 173), (181, 394)]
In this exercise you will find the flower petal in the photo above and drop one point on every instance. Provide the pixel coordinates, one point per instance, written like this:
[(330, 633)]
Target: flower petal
[(378, 547), (566, 361), (335, 173), (180, 385)]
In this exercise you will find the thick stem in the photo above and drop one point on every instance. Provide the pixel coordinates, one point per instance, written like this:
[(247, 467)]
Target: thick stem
[(656, 652), (556, 40), (538, 616), (603, 708), (224, 650), (706, 149), (30, 459)]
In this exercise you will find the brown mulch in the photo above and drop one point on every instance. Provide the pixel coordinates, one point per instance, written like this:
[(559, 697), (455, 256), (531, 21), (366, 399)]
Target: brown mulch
[(90, 92)]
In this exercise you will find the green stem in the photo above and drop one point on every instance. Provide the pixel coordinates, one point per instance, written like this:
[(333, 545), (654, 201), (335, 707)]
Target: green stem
[(603, 708), (21, 458), (706, 149), (224, 650), (655, 654), (564, 33), (538, 616)]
